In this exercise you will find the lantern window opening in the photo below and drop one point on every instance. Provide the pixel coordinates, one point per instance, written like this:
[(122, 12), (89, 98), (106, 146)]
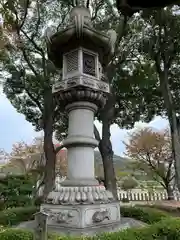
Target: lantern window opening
[(90, 63), (81, 62), (71, 63)]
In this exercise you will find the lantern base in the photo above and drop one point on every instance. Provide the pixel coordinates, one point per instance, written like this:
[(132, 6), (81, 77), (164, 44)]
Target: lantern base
[(83, 219)]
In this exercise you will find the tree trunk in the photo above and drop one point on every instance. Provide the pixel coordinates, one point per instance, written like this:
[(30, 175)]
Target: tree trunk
[(168, 101), (170, 193), (106, 151), (50, 154)]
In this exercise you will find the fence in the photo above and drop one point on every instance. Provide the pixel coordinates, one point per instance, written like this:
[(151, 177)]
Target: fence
[(140, 195), (133, 195)]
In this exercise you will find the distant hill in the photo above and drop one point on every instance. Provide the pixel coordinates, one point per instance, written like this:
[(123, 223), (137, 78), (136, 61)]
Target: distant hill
[(119, 162)]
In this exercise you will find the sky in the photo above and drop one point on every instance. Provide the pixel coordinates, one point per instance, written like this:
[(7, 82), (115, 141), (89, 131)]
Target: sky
[(14, 128)]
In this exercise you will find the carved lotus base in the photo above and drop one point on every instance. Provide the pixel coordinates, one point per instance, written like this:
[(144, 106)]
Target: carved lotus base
[(79, 195), (80, 94), (83, 219)]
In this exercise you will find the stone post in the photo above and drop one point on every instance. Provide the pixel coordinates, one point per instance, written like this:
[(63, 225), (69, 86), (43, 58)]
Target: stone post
[(81, 143), (41, 226)]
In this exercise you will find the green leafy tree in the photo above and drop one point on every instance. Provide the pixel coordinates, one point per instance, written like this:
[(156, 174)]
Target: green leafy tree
[(128, 184), (29, 87), (16, 191), (160, 44)]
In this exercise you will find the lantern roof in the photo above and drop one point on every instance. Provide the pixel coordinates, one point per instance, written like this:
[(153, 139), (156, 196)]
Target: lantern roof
[(81, 33)]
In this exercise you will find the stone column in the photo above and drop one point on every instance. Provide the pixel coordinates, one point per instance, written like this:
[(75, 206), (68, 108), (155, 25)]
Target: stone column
[(80, 144)]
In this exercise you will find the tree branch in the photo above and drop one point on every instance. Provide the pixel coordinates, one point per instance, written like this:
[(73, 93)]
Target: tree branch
[(98, 7), (29, 63), (37, 23), (33, 42), (120, 34), (87, 4), (35, 100), (59, 149), (96, 133), (122, 28), (25, 14)]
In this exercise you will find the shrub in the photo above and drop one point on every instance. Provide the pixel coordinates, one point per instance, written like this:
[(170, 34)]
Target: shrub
[(166, 229), (38, 201), (16, 191), (15, 234), (174, 211), (125, 200), (147, 215), (129, 183), (14, 216)]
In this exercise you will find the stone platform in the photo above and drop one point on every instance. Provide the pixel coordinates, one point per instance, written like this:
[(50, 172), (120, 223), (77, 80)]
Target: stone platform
[(83, 219), (125, 223)]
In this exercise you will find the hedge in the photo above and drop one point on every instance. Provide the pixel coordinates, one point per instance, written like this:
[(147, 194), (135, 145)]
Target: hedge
[(173, 211), (144, 214), (14, 216), (166, 229), (15, 234), (16, 191)]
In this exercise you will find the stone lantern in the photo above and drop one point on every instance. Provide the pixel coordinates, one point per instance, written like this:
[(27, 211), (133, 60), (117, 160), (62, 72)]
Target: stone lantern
[(80, 205)]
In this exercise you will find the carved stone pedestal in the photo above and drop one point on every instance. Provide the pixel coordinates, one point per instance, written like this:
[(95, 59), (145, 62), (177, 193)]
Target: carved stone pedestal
[(83, 219)]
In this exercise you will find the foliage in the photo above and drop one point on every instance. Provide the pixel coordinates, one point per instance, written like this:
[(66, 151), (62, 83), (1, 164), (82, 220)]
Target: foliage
[(15, 234), (144, 214), (125, 200), (166, 229), (174, 211), (161, 46), (163, 225), (132, 72), (152, 154), (61, 162), (29, 87), (128, 183), (16, 191), (120, 174), (3, 156), (14, 216), (27, 156)]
